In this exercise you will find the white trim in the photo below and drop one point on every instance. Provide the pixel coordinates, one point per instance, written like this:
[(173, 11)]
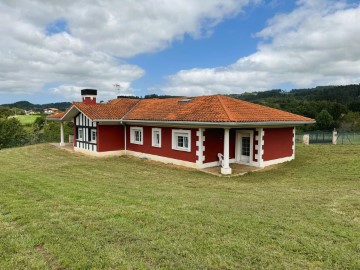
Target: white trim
[(99, 154), (238, 146), (293, 146), (277, 161), (91, 135), (153, 137), (259, 147), (221, 124), (200, 144), (163, 159), (133, 137), (80, 131), (175, 133)]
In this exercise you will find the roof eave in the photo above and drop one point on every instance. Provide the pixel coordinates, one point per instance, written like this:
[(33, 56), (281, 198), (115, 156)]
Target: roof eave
[(222, 124)]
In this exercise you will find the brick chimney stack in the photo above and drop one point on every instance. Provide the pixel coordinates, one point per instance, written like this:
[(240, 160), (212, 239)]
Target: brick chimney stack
[(89, 96)]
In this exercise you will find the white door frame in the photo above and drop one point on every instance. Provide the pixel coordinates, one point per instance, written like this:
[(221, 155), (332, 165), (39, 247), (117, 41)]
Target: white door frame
[(239, 133)]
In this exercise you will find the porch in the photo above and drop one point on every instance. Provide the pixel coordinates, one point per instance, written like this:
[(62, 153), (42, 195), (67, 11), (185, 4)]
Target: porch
[(237, 170)]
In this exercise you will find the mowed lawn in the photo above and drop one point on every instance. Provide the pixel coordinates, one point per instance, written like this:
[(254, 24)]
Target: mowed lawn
[(27, 119), (59, 210)]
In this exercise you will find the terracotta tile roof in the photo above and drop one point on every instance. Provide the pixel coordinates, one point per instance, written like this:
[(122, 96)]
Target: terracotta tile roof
[(57, 115), (216, 108), (115, 109)]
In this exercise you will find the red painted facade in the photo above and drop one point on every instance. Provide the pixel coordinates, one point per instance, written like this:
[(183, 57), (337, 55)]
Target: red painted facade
[(110, 138), (278, 143), (214, 144), (166, 144)]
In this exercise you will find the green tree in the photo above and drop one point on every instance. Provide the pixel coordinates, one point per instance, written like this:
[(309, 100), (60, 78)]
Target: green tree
[(12, 133), (351, 122), (324, 120), (52, 131)]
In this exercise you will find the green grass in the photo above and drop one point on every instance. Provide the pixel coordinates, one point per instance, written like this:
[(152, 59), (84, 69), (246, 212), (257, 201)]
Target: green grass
[(64, 211), (27, 119)]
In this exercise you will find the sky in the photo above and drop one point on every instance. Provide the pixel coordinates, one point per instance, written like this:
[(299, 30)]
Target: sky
[(52, 49)]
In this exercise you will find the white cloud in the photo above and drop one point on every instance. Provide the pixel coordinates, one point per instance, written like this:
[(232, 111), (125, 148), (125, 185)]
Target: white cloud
[(98, 33), (316, 44)]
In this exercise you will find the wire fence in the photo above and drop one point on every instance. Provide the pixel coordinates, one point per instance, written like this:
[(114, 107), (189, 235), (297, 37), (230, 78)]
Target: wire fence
[(326, 137)]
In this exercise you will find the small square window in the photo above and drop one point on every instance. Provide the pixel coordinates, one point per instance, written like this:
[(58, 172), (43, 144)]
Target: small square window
[(181, 140), (136, 135), (93, 135), (80, 134), (156, 137)]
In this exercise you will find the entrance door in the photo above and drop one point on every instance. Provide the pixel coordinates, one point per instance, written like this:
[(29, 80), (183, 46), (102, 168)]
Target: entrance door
[(245, 147)]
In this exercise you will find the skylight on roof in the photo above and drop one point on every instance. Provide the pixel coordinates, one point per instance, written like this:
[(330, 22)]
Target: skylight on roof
[(185, 100)]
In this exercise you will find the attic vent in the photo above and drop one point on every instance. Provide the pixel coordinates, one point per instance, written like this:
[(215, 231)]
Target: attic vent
[(185, 100)]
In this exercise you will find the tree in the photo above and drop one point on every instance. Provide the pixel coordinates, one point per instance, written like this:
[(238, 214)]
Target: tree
[(52, 131), (12, 133), (324, 120), (351, 122)]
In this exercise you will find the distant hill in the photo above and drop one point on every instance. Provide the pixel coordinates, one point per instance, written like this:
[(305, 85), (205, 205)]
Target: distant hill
[(25, 105)]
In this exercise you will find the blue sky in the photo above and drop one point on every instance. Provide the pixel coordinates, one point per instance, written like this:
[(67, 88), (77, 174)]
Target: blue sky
[(189, 47)]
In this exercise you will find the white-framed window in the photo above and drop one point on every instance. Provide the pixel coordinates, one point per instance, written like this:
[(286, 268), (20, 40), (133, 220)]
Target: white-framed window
[(80, 134), (156, 137), (181, 140), (93, 135), (136, 135)]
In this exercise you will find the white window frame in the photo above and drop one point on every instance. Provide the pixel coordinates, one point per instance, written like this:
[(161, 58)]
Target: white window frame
[(91, 135), (181, 132), (154, 132), (133, 137), (80, 132)]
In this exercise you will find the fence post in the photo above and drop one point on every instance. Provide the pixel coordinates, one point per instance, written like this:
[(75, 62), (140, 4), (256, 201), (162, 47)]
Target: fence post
[(334, 136), (306, 139)]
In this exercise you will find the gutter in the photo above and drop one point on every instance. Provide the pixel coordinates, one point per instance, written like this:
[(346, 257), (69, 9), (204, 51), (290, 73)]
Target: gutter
[(211, 124)]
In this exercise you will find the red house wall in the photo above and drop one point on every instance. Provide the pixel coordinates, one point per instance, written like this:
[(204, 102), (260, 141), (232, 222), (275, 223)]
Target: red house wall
[(278, 143), (166, 144), (214, 143), (110, 138)]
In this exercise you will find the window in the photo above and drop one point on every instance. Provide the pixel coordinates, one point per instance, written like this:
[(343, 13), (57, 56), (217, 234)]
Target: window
[(136, 135), (181, 140), (80, 134), (156, 137), (93, 135)]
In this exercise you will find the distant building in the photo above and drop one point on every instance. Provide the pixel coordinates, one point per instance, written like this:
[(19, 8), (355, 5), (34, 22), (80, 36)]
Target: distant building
[(29, 112), (50, 110)]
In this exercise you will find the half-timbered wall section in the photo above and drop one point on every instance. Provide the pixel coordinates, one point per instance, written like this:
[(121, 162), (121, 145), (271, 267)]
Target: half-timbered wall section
[(86, 133)]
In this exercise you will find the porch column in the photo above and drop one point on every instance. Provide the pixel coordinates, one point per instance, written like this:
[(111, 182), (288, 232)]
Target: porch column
[(226, 168), (62, 143)]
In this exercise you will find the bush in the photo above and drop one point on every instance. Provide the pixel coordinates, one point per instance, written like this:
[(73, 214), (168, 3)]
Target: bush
[(12, 133), (52, 131)]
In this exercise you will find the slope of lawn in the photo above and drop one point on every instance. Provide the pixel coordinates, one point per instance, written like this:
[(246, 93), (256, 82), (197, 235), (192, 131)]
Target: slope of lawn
[(27, 119), (59, 210)]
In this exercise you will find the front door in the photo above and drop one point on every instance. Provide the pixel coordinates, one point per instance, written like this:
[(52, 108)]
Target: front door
[(244, 143)]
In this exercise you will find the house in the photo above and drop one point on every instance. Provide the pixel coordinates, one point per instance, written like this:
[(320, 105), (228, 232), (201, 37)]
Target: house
[(196, 132), (50, 110)]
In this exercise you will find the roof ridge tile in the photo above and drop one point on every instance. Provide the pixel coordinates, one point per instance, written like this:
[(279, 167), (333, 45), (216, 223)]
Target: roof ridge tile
[(224, 107)]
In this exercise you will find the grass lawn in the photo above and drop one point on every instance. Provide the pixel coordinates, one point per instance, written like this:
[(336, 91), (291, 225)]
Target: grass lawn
[(27, 119), (64, 211)]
